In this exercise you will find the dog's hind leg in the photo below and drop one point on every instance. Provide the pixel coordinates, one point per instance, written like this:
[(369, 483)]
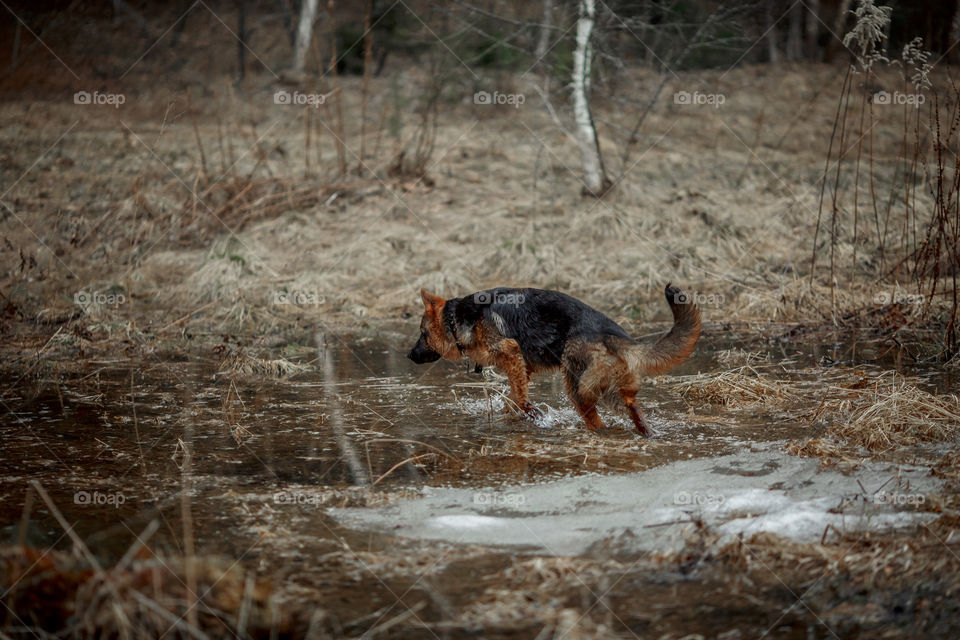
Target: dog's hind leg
[(582, 383), (629, 397), (583, 401)]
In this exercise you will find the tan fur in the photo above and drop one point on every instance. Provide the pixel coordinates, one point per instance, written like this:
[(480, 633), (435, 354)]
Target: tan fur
[(432, 322), (607, 370)]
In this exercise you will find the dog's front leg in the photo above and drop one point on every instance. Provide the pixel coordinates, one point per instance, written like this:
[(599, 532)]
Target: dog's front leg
[(510, 360)]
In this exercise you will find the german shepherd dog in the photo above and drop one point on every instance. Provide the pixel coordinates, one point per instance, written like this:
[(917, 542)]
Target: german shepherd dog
[(526, 331)]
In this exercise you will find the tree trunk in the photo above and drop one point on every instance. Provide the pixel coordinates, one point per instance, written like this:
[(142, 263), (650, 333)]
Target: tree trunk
[(242, 38), (768, 10), (338, 135), (545, 28), (594, 178), (794, 47), (813, 30), (308, 13), (839, 29)]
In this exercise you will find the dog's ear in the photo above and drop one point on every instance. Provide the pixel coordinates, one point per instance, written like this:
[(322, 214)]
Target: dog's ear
[(431, 301)]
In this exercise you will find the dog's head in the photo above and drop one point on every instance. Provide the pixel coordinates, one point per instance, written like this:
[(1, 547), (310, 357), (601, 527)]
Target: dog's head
[(435, 341)]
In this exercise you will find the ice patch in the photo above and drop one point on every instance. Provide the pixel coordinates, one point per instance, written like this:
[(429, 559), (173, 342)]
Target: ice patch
[(808, 521), (764, 490), (755, 501), (468, 521)]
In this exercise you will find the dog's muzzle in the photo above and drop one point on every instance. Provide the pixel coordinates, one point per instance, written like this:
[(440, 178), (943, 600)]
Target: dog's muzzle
[(422, 354)]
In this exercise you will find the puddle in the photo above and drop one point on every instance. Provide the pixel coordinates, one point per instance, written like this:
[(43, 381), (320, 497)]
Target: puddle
[(113, 446)]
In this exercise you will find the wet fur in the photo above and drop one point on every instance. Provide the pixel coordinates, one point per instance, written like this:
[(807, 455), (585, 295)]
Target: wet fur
[(527, 331)]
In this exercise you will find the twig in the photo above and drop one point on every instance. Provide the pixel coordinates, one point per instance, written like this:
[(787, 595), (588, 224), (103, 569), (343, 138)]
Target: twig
[(400, 464)]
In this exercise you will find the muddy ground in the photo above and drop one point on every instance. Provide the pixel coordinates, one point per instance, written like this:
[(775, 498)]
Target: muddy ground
[(209, 422)]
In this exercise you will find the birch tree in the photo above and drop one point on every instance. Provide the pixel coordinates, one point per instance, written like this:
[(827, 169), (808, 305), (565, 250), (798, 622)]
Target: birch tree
[(308, 13), (546, 24), (594, 177)]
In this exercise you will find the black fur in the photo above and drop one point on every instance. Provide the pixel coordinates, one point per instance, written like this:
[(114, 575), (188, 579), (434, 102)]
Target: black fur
[(421, 353), (541, 321)]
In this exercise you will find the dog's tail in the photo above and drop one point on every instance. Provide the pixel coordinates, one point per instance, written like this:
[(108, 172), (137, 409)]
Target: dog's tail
[(674, 347)]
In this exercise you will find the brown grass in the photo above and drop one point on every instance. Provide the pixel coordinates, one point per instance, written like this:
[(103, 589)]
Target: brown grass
[(502, 207), (888, 413), (242, 365), (142, 596), (831, 453), (741, 387), (528, 590)]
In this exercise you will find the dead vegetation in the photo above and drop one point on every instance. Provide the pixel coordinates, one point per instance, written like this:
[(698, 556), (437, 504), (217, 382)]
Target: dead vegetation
[(830, 452), (857, 413), (860, 582), (144, 595), (741, 387), (887, 412), (362, 247), (240, 365)]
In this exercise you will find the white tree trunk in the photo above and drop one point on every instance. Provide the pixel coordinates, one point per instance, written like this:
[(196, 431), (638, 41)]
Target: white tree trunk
[(545, 28), (308, 13), (595, 181)]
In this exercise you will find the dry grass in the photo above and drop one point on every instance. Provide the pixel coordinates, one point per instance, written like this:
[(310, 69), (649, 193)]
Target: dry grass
[(888, 413), (142, 596), (741, 387), (738, 356), (948, 466), (829, 452), (864, 562), (531, 591), (242, 365), (503, 208)]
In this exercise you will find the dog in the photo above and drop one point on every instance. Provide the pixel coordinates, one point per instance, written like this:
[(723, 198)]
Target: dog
[(527, 331)]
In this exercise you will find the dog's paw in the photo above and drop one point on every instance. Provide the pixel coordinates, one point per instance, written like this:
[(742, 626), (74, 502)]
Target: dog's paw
[(532, 412), (645, 430), (529, 410)]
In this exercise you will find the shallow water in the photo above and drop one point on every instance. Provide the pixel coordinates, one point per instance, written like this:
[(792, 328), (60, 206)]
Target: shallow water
[(115, 444)]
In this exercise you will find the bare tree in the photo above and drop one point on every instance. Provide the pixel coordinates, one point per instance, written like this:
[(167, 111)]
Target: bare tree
[(813, 29), (773, 54), (794, 48), (839, 26), (308, 13), (544, 40), (594, 177)]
